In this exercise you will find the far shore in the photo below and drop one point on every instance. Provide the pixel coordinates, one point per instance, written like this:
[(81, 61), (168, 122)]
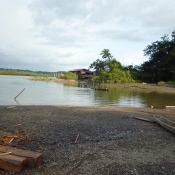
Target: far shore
[(54, 80), (166, 88)]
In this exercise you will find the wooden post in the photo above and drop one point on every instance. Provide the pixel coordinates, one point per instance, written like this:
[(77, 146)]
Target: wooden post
[(19, 93)]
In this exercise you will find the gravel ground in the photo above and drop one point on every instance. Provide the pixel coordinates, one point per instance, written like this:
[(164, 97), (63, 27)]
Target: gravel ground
[(92, 140)]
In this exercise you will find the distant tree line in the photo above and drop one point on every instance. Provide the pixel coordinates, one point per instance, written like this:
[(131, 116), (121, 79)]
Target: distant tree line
[(24, 73)]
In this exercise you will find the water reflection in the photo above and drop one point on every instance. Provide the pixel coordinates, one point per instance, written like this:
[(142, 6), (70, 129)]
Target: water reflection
[(120, 97), (158, 100), (46, 93), (16, 101)]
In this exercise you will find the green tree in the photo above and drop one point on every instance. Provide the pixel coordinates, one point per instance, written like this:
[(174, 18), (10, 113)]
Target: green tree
[(110, 70), (161, 63), (98, 65), (106, 55), (134, 71)]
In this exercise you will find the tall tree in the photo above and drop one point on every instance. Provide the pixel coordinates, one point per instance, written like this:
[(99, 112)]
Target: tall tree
[(102, 64), (106, 55), (110, 70), (161, 64), (98, 65)]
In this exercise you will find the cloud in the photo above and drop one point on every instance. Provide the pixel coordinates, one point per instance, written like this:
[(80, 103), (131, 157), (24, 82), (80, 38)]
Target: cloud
[(123, 20), (62, 35), (53, 9)]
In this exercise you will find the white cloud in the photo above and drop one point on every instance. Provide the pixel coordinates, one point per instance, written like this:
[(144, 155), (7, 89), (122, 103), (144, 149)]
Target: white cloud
[(61, 35)]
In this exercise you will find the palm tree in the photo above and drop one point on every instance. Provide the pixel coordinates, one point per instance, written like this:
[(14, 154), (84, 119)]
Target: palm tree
[(106, 55)]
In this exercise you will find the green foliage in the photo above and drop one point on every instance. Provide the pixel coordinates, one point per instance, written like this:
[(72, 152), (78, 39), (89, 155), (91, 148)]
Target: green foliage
[(169, 82), (106, 54), (110, 70), (134, 71), (116, 75), (24, 73), (70, 76), (98, 65), (161, 64), (104, 64)]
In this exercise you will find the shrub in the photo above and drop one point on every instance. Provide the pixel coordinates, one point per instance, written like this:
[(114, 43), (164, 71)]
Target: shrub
[(70, 76)]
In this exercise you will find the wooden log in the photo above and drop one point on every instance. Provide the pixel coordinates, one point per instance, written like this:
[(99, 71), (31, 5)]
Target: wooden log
[(13, 163), (166, 120), (34, 159), (170, 107), (105, 89), (145, 119), (165, 123)]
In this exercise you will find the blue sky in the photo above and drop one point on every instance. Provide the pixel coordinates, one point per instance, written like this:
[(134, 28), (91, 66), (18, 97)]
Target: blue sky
[(53, 35)]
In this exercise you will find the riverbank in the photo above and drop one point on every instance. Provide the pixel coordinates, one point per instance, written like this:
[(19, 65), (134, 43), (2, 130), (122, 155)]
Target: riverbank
[(54, 80), (92, 140), (166, 88), (145, 87)]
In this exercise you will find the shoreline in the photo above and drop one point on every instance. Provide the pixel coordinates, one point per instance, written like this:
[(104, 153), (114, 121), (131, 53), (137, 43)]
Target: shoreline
[(54, 80), (110, 140), (166, 112), (165, 88)]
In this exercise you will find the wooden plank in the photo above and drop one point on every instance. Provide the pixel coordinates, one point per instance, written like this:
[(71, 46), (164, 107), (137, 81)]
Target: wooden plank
[(145, 119), (165, 120), (34, 159), (13, 163), (165, 125)]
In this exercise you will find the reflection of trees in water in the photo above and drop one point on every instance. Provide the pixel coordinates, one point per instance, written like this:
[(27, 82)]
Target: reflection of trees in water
[(158, 100), (115, 95)]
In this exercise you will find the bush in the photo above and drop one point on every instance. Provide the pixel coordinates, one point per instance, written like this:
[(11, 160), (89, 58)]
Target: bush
[(114, 76), (70, 76)]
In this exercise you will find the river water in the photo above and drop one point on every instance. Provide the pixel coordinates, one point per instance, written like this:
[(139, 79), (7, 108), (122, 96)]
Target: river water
[(47, 93)]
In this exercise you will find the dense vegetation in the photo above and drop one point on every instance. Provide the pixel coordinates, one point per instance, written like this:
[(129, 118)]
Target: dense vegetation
[(161, 63), (24, 73), (109, 70), (70, 76), (160, 66)]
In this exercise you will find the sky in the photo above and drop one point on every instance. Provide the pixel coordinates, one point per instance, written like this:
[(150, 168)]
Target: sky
[(57, 35)]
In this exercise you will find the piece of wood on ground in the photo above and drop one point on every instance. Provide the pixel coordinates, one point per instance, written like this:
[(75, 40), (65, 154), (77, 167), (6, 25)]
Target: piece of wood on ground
[(165, 123), (145, 119), (76, 138), (12, 163), (2, 154), (34, 159)]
